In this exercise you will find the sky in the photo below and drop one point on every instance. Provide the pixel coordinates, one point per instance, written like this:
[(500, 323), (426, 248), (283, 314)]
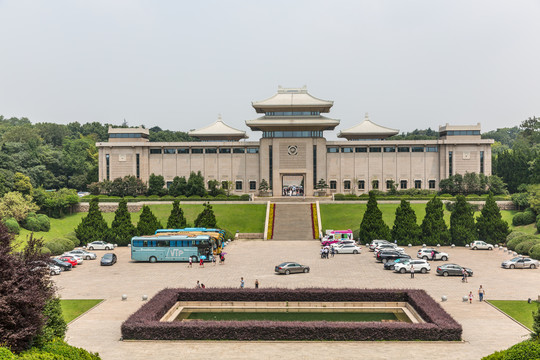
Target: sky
[(178, 64)]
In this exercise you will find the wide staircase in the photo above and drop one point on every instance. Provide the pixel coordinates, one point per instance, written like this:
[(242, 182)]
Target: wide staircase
[(293, 222)]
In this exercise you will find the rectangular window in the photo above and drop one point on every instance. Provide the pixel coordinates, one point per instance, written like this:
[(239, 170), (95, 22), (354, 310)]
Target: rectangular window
[(347, 150), (389, 149), (450, 160), (375, 184), (252, 185), (418, 149), (155, 151), (138, 165), (431, 184), (224, 150), (403, 149), (169, 151), (403, 184), (347, 185), (332, 149), (360, 149), (374, 149), (224, 184), (197, 151), (270, 165), (361, 184), (481, 162), (108, 167), (333, 184), (314, 166), (238, 150), (389, 184), (252, 150), (417, 184), (169, 183), (183, 151), (238, 185), (431, 149), (210, 151)]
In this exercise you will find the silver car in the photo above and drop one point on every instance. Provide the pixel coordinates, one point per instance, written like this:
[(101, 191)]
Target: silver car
[(290, 268), (520, 262), (86, 255)]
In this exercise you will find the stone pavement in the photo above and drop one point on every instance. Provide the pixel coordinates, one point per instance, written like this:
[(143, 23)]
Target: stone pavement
[(485, 329)]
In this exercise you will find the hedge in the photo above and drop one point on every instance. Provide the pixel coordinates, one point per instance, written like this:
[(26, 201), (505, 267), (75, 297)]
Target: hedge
[(525, 246), (534, 252), (12, 226), (145, 325), (105, 198), (59, 246), (54, 350), (524, 218), (514, 234), (525, 350), (383, 196), (512, 244)]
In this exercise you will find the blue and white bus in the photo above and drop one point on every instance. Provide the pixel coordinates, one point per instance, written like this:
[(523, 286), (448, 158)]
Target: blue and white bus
[(217, 236), (156, 248)]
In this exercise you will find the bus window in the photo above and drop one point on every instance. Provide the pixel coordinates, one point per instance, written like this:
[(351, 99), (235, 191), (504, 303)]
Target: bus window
[(163, 243), (145, 243)]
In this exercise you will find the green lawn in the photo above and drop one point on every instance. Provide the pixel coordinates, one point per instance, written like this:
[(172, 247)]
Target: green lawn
[(290, 316), (519, 310), (73, 308)]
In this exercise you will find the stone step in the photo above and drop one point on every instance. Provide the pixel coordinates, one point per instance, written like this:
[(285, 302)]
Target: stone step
[(293, 222)]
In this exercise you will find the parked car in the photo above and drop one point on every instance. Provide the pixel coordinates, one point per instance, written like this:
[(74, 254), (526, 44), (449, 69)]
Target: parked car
[(342, 242), (100, 245), (452, 269), (386, 256), (68, 259), (108, 259), (375, 243), (347, 249), (390, 264), (437, 255), (79, 258), (54, 269), (86, 255), (418, 265), (388, 247), (481, 245), (520, 262), (64, 265), (291, 268)]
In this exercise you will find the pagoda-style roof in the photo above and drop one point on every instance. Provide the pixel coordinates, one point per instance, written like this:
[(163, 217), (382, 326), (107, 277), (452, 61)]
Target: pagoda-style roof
[(289, 99), (367, 130), (218, 131), (274, 123)]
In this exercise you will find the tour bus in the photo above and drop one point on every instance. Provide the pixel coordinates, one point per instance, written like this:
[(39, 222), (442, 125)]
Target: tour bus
[(155, 248), (334, 236), (217, 236)]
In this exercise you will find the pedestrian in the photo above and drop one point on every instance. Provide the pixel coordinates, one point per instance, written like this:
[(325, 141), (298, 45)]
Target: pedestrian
[(481, 293), (470, 297), (412, 271), (190, 262), (465, 275), (242, 283), (202, 286), (214, 260), (222, 259), (432, 254), (463, 272), (201, 263), (322, 253), (198, 286), (256, 283), (333, 252)]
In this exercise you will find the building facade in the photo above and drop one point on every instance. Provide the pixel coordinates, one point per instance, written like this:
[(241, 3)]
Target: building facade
[(294, 152)]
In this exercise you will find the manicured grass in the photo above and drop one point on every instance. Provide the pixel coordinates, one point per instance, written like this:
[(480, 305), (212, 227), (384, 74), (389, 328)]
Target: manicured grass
[(519, 310), (291, 316), (71, 309)]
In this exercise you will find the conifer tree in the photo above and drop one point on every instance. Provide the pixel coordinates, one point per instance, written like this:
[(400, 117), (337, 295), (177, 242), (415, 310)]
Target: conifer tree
[(489, 225), (176, 219), (206, 218), (434, 229), (122, 229), (405, 230), (93, 226), (462, 228), (372, 226), (148, 222)]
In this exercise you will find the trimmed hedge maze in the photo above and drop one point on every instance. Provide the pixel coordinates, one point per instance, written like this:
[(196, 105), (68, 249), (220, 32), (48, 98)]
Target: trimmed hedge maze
[(145, 323)]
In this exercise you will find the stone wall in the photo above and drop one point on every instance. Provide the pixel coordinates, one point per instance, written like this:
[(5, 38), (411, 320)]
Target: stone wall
[(107, 207)]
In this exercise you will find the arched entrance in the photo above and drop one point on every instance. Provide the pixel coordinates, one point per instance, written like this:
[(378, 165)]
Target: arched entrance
[(292, 184)]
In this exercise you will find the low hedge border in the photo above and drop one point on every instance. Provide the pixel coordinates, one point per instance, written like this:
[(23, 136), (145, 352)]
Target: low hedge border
[(353, 197), (145, 325), (105, 198)]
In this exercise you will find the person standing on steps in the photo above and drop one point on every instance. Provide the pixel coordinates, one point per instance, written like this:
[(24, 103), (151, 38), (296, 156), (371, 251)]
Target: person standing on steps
[(481, 293), (256, 283), (242, 283)]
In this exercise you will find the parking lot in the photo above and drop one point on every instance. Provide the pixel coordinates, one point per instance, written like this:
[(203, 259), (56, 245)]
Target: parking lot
[(485, 329)]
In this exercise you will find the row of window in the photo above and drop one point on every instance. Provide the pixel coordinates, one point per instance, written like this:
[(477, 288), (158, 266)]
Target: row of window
[(462, 132), (378, 149), (292, 113), (292, 134), (167, 243), (403, 184), (238, 184), (128, 136), (205, 151)]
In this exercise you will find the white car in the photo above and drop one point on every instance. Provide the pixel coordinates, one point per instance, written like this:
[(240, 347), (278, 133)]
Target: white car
[(342, 242), (348, 249), (86, 255), (100, 245), (418, 265), (54, 270), (388, 246), (481, 245), (437, 255), (376, 243)]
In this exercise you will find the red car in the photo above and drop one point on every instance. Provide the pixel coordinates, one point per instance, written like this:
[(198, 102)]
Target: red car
[(69, 259)]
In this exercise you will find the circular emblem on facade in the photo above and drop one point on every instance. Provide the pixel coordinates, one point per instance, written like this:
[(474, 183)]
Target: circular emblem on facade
[(292, 150)]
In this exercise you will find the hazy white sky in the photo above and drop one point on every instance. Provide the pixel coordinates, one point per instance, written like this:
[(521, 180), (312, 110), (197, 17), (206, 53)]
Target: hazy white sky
[(177, 64)]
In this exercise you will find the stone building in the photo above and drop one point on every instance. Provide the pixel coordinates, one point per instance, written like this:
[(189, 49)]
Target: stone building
[(293, 152)]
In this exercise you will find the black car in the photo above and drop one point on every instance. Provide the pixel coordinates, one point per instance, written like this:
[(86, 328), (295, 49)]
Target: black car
[(390, 264), (108, 259), (452, 269), (386, 256), (65, 266)]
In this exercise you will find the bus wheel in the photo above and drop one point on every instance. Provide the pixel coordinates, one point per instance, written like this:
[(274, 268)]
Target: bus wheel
[(153, 259), (194, 259)]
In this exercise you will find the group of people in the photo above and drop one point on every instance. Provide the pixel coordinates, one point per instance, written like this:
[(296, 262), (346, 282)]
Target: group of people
[(221, 258), (293, 191), (481, 293), (327, 250), (243, 283)]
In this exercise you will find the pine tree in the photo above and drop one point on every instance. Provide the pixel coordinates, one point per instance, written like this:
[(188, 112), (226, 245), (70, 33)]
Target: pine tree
[(206, 218), (122, 229), (92, 227), (489, 225), (434, 229), (462, 228), (148, 222), (176, 219), (372, 226), (405, 230)]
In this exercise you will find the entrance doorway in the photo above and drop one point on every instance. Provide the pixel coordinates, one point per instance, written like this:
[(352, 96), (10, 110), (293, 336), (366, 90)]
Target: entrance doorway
[(292, 185)]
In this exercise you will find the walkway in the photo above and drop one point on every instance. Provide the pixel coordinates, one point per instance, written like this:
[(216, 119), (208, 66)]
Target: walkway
[(293, 222)]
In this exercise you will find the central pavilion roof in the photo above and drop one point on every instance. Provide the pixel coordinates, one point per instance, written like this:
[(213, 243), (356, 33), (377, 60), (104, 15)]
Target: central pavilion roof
[(292, 99), (367, 130), (218, 131)]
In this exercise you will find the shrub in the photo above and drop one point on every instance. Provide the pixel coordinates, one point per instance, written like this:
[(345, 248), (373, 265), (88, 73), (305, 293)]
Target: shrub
[(73, 238), (44, 222), (525, 218), (514, 234), (63, 351), (525, 350), (512, 244), (534, 252), (525, 246), (55, 325), (339, 197), (194, 197), (5, 354), (31, 223), (59, 246), (245, 197), (12, 226)]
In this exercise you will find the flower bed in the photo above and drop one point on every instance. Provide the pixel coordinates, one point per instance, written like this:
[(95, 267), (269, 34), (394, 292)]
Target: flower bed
[(271, 217), (145, 324), (314, 222)]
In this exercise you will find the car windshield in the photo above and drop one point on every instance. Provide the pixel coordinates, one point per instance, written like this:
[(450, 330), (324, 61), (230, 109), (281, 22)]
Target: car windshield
[(516, 259), (107, 256)]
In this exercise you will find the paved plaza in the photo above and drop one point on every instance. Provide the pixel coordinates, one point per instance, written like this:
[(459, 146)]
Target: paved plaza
[(485, 329)]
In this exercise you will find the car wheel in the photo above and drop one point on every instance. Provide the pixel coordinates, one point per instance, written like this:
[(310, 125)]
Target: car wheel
[(287, 272), (512, 266), (52, 273), (490, 248), (355, 252), (402, 270), (444, 258), (423, 270), (384, 261), (87, 258), (153, 259), (306, 270), (424, 257), (445, 274), (107, 248), (90, 248), (392, 267), (475, 248), (532, 266)]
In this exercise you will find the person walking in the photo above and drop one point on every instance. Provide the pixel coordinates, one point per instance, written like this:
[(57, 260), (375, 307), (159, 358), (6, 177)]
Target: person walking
[(256, 283), (190, 262), (470, 297), (481, 293), (214, 260), (333, 252), (201, 263), (322, 253), (198, 286), (242, 283), (412, 271)]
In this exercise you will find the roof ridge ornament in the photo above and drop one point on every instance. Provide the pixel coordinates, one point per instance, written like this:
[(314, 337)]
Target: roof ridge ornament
[(366, 117), (219, 118)]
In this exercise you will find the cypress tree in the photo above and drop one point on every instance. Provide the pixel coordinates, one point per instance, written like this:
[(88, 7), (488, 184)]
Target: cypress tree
[(405, 230), (462, 228), (122, 229), (92, 227), (176, 219), (148, 222), (434, 229), (489, 225), (372, 226), (206, 218)]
